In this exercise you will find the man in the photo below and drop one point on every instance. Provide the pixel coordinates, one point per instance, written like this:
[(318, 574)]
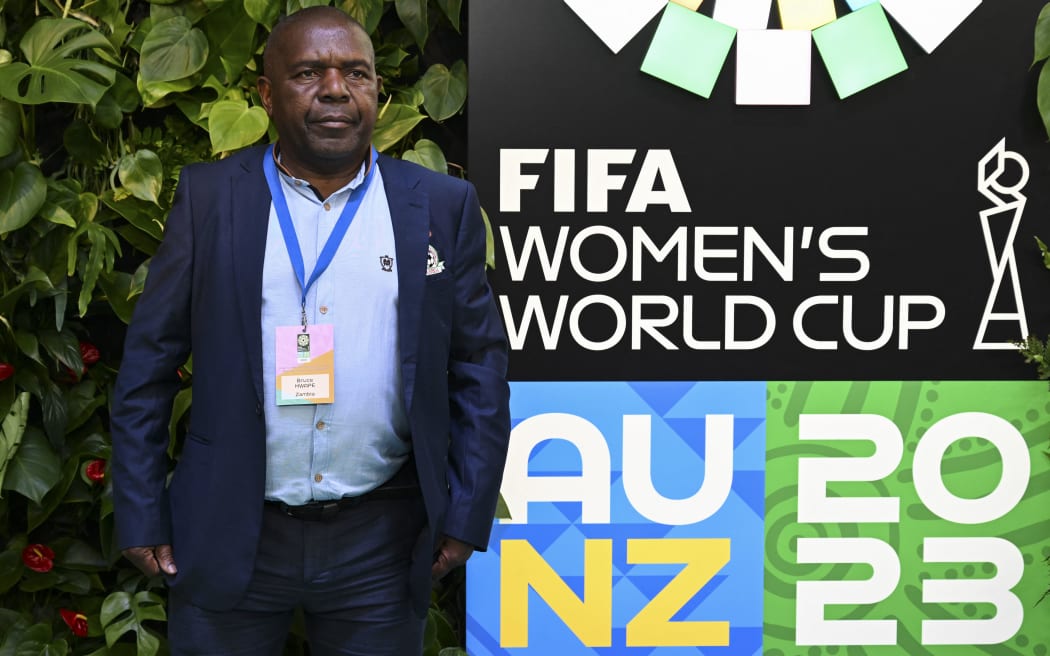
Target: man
[(296, 274)]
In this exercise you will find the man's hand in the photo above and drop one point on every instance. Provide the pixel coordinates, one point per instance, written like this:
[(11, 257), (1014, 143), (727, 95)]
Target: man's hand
[(451, 553), (152, 560)]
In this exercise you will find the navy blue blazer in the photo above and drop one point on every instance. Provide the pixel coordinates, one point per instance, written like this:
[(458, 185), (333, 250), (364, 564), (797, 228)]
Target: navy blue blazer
[(203, 294)]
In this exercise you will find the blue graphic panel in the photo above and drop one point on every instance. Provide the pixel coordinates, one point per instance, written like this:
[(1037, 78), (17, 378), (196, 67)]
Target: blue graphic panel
[(547, 589)]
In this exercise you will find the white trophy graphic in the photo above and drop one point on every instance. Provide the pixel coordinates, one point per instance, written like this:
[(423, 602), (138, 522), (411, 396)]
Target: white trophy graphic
[(1002, 182)]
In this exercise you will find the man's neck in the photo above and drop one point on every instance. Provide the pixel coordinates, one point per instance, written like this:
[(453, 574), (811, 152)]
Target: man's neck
[(325, 183)]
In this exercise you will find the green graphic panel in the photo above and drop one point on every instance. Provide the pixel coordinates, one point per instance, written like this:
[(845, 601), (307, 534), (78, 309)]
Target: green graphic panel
[(859, 50), (688, 50), (971, 468)]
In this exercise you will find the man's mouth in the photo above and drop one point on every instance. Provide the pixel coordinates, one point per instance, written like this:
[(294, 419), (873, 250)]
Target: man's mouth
[(333, 121)]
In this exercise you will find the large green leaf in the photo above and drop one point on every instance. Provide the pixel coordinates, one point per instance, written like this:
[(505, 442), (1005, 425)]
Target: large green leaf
[(411, 96), (444, 90), (63, 347), (394, 124), (79, 555), (22, 194), (121, 98), (438, 632), (292, 6), (81, 401), (154, 93), (24, 640), (413, 13), (11, 565), (366, 12), (138, 279), (107, 113), (142, 174), (10, 126), (1043, 95), (389, 57), (145, 216), (427, 153), (264, 12), (117, 287), (124, 94), (490, 262), (35, 281), (54, 411), (232, 124), (104, 248), (35, 469), (11, 430), (122, 649), (92, 446), (28, 345), (452, 9), (231, 32), (1042, 35), (82, 144), (39, 512), (174, 49), (121, 612), (56, 72)]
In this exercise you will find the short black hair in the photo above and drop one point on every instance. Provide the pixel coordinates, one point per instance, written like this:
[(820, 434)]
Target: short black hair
[(285, 23)]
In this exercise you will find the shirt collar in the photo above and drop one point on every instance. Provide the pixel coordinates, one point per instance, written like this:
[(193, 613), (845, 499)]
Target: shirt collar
[(304, 188)]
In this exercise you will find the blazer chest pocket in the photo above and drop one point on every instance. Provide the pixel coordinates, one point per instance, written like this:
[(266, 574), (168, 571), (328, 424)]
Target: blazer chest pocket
[(438, 301)]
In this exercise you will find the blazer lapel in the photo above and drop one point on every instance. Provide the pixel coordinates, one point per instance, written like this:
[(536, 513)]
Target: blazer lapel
[(250, 216), (409, 213)]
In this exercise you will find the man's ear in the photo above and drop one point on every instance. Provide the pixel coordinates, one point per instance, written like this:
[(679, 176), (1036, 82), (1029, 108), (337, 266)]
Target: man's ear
[(263, 84), (379, 83)]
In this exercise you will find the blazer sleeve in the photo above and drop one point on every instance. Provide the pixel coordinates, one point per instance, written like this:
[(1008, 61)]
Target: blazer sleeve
[(478, 392), (157, 343)]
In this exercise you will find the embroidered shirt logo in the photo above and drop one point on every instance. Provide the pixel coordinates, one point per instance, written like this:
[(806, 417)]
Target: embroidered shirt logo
[(434, 265), (386, 262)]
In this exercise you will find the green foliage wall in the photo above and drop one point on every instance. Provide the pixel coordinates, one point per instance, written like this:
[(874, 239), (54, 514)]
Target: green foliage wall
[(101, 103)]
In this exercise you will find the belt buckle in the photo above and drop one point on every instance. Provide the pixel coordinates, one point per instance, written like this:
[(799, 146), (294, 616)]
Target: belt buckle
[(328, 509)]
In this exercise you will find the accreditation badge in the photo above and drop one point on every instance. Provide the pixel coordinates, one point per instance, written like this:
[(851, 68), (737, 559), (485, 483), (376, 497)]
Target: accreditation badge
[(305, 365)]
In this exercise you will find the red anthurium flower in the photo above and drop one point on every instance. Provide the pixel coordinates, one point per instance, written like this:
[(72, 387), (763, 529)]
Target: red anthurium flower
[(6, 370), (38, 557), (89, 353), (76, 621), (96, 470)]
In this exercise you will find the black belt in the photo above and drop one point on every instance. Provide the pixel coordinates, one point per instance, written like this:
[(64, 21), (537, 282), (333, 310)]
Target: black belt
[(401, 486), (320, 510)]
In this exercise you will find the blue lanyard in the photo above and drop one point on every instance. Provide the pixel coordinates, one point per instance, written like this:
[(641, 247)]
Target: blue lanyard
[(291, 240)]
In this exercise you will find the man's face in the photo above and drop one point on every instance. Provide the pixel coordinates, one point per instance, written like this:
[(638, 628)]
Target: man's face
[(321, 91)]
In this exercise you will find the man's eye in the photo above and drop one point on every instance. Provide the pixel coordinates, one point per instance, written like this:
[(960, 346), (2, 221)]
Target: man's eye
[(308, 74)]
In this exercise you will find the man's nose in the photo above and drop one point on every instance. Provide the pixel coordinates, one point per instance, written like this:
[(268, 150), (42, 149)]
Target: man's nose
[(333, 85)]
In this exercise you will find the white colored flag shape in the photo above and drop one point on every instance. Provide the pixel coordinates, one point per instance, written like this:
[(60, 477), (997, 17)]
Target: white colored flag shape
[(743, 14), (930, 22), (616, 22), (773, 67)]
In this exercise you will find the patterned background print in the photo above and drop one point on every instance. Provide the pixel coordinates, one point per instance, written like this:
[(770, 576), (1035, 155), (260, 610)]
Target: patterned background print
[(971, 469), (678, 412)]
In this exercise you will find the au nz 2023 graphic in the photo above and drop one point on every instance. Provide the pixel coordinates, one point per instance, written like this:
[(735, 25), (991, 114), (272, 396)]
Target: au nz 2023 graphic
[(773, 518)]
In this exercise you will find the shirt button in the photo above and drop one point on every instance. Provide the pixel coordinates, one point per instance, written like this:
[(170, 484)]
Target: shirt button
[(318, 478), (320, 425), (298, 183), (327, 207), (324, 309)]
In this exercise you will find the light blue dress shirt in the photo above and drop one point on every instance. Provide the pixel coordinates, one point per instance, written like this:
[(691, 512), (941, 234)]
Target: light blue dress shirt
[(322, 452)]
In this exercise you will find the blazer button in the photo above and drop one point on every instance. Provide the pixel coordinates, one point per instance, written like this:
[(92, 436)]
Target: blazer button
[(258, 408)]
